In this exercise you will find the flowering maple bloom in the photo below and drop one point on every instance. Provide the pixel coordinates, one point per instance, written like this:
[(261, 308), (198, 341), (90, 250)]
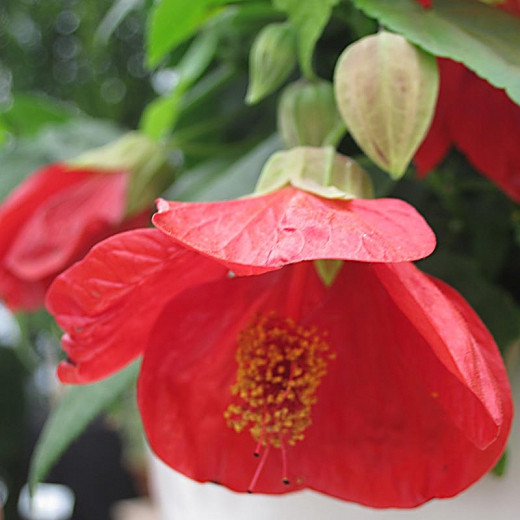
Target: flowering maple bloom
[(479, 119), (51, 220), (511, 6), (383, 388)]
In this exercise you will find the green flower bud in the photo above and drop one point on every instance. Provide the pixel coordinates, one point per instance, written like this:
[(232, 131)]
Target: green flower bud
[(271, 60), (321, 171), (142, 157), (386, 89), (308, 115)]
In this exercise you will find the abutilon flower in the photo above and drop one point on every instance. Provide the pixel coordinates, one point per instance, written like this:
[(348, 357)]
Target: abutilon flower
[(511, 6), (50, 221), (53, 217), (478, 119), (382, 388)]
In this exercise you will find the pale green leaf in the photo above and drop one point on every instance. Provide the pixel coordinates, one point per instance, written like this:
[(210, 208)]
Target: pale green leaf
[(173, 21), (197, 58), (162, 113), (218, 180), (485, 39), (115, 15), (4, 134), (78, 406), (29, 113), (309, 18)]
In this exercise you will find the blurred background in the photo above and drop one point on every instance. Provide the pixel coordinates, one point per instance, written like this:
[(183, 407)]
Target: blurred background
[(71, 77)]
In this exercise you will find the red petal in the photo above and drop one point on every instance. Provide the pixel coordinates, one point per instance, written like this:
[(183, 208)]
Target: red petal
[(481, 121), (437, 142), (511, 6), (189, 367), (66, 223), (384, 431), (108, 302), (461, 343), (259, 234), (14, 212), (50, 221), (486, 127), (417, 403)]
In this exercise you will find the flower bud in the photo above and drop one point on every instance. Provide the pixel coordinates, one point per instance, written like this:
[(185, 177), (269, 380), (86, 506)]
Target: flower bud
[(386, 89), (308, 115), (142, 157), (271, 60), (321, 171)]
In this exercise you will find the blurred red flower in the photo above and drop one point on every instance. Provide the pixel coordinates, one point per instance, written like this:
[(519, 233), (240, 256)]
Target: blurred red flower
[(477, 118), (511, 6), (383, 388), (51, 220)]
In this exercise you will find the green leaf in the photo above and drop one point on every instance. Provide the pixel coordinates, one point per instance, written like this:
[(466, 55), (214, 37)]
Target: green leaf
[(4, 133), (484, 38), (115, 15), (29, 113), (162, 113), (309, 19), (216, 180), (173, 21), (500, 467), (78, 406)]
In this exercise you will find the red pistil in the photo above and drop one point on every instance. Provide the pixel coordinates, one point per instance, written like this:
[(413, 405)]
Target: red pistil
[(258, 470)]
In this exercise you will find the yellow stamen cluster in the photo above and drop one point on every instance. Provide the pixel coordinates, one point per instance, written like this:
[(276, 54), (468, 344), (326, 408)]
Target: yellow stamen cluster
[(280, 366)]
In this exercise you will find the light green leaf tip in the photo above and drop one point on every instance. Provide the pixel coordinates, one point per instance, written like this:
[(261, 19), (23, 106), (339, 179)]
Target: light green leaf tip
[(328, 270), (309, 18), (318, 170), (484, 38), (500, 467), (78, 406)]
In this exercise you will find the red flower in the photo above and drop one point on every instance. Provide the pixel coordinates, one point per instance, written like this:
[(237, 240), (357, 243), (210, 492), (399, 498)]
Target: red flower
[(511, 6), (51, 220), (481, 121), (477, 118), (146, 269), (415, 404), (384, 388)]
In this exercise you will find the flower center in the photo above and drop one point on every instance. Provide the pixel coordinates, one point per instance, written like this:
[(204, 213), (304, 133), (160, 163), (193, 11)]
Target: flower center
[(280, 366)]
